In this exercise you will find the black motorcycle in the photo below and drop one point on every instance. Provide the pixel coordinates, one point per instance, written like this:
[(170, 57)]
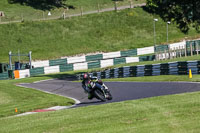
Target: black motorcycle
[(101, 92)]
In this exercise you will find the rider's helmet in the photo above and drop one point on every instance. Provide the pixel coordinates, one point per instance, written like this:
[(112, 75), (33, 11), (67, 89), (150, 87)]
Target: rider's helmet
[(86, 76), (100, 82)]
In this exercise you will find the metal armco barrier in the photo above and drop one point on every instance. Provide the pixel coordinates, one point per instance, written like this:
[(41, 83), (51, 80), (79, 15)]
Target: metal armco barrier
[(171, 68)]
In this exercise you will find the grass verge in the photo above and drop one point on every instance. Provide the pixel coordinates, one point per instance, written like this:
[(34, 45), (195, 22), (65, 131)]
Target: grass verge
[(26, 99), (173, 113)]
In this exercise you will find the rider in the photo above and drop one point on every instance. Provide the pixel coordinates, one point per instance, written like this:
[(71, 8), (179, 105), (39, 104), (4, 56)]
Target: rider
[(88, 84)]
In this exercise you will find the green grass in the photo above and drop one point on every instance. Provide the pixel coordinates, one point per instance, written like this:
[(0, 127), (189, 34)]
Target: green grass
[(26, 99), (174, 113), (16, 11), (111, 31), (105, 32)]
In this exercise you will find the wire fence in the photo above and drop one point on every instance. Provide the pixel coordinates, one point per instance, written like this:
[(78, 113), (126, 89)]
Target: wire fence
[(64, 13), (189, 49)]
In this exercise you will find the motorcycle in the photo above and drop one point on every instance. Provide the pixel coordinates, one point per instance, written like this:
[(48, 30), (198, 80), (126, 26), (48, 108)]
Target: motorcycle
[(101, 92)]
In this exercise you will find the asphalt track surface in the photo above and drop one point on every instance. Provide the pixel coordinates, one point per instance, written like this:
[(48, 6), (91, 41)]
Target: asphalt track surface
[(121, 91)]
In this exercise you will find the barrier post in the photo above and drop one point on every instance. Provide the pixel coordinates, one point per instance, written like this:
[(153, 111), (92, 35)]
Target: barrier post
[(43, 15), (115, 4), (179, 51), (64, 14), (191, 49), (98, 6), (130, 3), (30, 58), (81, 11), (197, 48), (185, 50), (174, 53), (22, 17), (10, 60), (169, 52)]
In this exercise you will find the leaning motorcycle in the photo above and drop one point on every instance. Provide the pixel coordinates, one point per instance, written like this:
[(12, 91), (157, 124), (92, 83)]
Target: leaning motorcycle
[(101, 92)]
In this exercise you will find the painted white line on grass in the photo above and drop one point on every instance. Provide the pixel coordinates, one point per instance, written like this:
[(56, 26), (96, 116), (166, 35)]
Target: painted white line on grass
[(56, 108), (22, 85), (27, 113)]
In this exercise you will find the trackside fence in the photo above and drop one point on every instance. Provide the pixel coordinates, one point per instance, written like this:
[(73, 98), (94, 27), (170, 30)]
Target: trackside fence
[(103, 60), (171, 68), (4, 75)]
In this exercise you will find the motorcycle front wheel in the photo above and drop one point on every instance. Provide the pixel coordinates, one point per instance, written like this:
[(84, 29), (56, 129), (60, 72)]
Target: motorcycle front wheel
[(109, 96)]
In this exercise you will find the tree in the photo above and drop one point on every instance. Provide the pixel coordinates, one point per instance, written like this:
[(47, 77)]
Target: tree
[(183, 12), (40, 4)]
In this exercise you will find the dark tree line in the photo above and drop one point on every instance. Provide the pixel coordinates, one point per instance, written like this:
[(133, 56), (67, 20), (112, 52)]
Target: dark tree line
[(185, 13), (41, 4)]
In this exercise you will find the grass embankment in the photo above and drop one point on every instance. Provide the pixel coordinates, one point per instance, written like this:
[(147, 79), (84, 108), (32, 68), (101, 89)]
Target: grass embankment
[(111, 31), (174, 113), (17, 11), (24, 99)]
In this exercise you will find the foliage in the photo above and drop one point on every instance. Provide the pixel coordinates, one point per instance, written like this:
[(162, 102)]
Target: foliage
[(40, 4), (183, 12)]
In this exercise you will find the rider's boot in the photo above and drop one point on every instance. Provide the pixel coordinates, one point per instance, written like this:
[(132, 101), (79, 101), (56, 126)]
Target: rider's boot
[(90, 96)]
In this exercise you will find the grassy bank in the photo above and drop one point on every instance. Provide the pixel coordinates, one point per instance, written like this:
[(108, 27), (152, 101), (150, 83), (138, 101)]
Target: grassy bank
[(105, 32), (174, 113), (25, 99), (16, 11)]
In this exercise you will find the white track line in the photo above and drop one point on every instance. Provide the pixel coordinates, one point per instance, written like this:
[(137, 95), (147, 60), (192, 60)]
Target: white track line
[(55, 107), (43, 80)]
